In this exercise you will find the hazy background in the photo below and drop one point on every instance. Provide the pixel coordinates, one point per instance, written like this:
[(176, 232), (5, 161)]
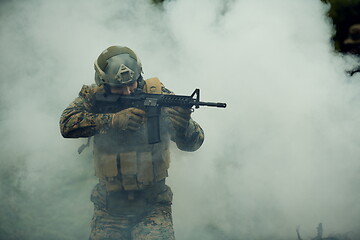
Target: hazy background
[(285, 152)]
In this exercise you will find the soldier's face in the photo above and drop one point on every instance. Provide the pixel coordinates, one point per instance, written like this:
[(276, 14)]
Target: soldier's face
[(125, 90)]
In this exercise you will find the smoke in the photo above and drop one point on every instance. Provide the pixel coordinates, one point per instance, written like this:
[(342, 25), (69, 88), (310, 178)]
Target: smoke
[(283, 153)]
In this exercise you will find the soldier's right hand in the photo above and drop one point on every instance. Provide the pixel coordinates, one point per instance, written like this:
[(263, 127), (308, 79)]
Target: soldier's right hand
[(128, 119)]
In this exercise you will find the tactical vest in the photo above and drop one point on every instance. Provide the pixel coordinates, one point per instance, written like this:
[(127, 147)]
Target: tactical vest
[(124, 160)]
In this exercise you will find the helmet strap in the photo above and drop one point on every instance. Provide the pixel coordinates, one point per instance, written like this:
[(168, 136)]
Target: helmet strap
[(107, 90), (141, 82)]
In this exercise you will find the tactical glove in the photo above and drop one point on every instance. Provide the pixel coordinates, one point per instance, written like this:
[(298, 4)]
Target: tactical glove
[(128, 119), (179, 117)]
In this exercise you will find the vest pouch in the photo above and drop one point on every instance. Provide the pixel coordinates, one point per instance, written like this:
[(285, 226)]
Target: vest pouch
[(105, 165), (129, 170), (145, 168)]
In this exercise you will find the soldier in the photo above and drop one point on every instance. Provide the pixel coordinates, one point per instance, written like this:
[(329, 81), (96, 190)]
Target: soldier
[(352, 42), (345, 15), (131, 200), (351, 45)]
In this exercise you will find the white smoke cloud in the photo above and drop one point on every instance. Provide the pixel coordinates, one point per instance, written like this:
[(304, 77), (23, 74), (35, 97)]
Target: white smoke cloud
[(283, 153)]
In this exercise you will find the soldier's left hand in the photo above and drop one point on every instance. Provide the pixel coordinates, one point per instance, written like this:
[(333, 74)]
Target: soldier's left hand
[(179, 117)]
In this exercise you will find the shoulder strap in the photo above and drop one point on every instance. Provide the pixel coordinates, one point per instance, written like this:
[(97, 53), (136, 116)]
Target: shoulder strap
[(153, 85)]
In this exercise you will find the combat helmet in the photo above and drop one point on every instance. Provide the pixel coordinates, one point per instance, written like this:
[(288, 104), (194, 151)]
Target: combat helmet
[(117, 66)]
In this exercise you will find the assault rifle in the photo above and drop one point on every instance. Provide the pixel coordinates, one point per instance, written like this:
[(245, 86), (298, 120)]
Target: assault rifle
[(151, 104)]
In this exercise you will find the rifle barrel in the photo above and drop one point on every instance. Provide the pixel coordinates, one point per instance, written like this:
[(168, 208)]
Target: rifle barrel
[(213, 104)]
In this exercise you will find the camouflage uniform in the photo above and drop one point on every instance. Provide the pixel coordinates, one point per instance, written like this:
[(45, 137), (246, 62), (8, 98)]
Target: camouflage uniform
[(131, 200)]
